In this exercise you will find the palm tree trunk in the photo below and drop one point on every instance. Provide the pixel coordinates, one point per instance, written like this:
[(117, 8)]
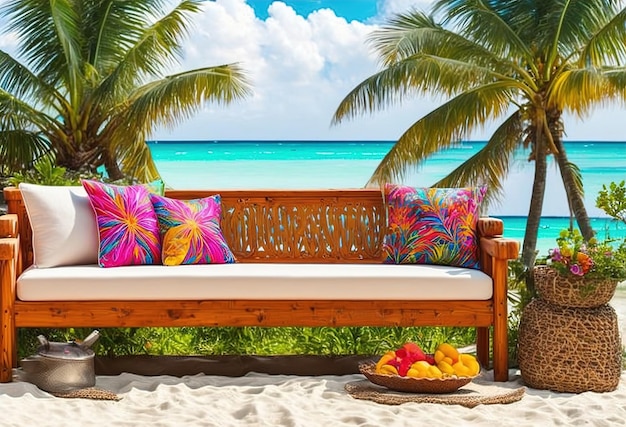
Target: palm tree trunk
[(529, 248), (110, 163), (574, 196)]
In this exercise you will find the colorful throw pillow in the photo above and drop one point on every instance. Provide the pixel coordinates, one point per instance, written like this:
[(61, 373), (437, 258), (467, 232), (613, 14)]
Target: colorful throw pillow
[(156, 187), (190, 231), (127, 225), (432, 225)]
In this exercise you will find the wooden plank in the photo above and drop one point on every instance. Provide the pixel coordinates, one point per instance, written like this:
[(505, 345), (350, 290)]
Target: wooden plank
[(8, 225), (500, 247), (252, 313)]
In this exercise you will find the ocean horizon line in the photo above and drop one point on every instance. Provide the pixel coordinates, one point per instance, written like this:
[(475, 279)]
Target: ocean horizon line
[(204, 141)]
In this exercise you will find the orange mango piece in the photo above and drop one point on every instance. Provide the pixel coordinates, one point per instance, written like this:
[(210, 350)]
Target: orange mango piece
[(388, 369), (390, 355), (471, 363), (434, 372), (448, 351), (446, 368)]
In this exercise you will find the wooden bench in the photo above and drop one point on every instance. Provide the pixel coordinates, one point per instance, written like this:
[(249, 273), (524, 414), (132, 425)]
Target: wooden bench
[(271, 226)]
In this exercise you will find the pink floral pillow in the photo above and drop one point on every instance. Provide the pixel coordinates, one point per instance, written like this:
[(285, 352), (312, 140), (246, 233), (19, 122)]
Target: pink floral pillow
[(190, 231), (127, 225), (432, 225)]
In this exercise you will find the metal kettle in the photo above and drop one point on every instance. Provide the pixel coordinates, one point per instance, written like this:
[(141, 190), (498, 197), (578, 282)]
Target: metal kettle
[(60, 367)]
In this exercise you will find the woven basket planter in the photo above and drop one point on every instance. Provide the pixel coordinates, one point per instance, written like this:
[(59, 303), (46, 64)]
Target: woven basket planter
[(569, 349), (572, 291)]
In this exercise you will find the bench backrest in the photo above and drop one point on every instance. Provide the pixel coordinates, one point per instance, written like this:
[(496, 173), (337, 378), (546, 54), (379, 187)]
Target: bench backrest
[(344, 226)]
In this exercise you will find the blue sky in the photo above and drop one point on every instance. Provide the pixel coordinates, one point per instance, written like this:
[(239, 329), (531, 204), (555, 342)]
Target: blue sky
[(303, 57)]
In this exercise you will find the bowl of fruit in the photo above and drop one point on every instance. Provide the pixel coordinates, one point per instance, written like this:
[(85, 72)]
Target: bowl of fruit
[(409, 369)]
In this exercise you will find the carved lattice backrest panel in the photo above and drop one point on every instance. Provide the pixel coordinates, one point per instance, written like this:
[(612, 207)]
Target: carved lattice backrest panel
[(300, 225)]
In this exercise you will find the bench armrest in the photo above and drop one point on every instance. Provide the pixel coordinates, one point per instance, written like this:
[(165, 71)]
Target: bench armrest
[(492, 243), (10, 265), (8, 225)]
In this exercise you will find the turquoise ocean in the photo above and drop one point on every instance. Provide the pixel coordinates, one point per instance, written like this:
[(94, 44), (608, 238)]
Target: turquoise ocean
[(349, 164)]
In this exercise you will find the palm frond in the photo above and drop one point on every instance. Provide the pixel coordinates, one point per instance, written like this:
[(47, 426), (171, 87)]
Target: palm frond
[(413, 33), (167, 102), (607, 45), (49, 38), (617, 80), (20, 148), (136, 161), (565, 26), (18, 81), (491, 164), (177, 97), (16, 114), (579, 90), (157, 47), (443, 127), (420, 73), (578, 178), (482, 21), (113, 27)]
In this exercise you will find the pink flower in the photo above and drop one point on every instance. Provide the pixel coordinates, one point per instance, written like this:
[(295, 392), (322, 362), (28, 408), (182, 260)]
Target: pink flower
[(555, 255), (576, 270)]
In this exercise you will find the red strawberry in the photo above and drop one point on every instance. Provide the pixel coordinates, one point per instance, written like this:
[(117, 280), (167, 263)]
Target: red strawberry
[(405, 365), (414, 352)]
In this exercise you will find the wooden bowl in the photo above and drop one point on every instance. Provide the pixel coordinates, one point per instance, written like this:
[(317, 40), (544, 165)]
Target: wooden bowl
[(414, 385)]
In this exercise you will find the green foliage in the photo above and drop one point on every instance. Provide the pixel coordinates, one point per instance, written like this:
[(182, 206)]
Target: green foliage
[(45, 172), (519, 296), (251, 340), (612, 200)]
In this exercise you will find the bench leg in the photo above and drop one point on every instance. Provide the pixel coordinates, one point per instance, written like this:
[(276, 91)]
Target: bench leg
[(500, 354), (482, 346), (8, 350), (8, 339)]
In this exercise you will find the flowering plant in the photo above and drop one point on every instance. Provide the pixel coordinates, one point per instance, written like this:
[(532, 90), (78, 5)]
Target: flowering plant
[(574, 256)]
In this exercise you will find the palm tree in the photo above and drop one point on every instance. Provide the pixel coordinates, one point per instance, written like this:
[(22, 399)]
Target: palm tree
[(519, 63), (91, 87)]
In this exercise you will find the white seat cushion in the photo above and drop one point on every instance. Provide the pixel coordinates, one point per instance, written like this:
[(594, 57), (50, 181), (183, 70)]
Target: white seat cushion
[(254, 281)]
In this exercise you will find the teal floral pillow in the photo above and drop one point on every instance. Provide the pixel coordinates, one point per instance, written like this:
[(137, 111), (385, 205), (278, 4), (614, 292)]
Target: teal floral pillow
[(190, 231), (432, 225), (127, 225)]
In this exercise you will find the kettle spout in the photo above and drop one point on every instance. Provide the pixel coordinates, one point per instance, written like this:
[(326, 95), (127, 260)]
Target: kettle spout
[(91, 339), (44, 342)]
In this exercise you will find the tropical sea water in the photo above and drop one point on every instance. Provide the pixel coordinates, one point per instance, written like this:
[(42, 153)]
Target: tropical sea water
[(349, 164)]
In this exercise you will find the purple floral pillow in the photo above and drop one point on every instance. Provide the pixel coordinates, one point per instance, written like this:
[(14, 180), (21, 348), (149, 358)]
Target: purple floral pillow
[(432, 225), (190, 231), (127, 225)]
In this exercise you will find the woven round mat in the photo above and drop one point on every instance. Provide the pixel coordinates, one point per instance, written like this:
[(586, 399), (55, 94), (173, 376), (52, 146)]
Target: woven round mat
[(471, 395), (89, 393)]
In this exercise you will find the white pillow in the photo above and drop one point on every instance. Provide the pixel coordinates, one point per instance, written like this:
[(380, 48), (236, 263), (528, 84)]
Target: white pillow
[(63, 223)]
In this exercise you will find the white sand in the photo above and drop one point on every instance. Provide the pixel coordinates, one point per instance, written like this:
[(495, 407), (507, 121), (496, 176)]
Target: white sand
[(268, 400)]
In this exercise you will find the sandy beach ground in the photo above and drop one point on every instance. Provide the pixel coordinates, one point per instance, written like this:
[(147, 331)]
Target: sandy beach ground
[(280, 400)]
